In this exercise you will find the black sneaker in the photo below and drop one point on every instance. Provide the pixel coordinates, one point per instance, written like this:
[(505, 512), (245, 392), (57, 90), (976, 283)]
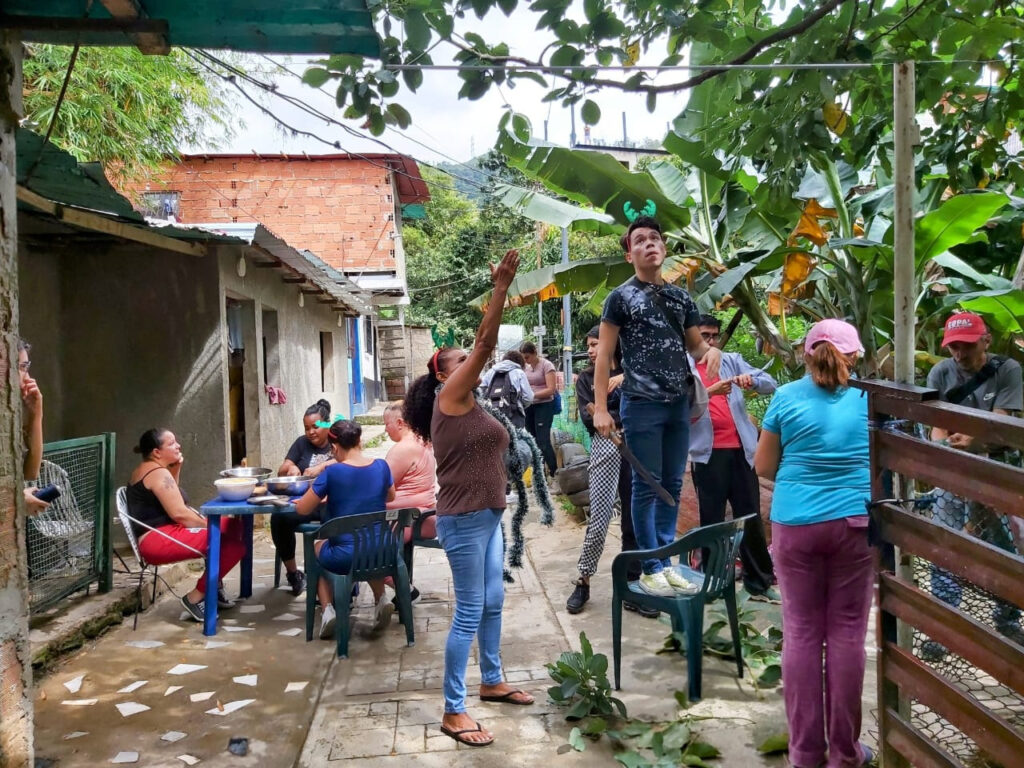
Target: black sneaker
[(414, 595), (223, 601), (643, 610), (297, 581), (578, 598), (196, 610)]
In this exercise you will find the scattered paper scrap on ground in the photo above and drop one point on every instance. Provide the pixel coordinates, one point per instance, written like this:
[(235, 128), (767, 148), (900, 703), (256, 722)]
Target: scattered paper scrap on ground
[(171, 689), (126, 757), (237, 629), (79, 702), (74, 685), (129, 708), (246, 679), (144, 643), (211, 644), (230, 707), (202, 696), (75, 735), (173, 736), (286, 617), (133, 686), (252, 608), (295, 686), (188, 759), (184, 669), (291, 632)]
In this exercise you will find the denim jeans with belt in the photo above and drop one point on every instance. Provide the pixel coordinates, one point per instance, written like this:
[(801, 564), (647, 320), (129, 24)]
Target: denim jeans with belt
[(473, 543), (658, 434)]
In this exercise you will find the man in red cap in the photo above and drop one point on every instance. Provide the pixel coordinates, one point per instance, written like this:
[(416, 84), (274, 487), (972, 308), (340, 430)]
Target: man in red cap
[(974, 378)]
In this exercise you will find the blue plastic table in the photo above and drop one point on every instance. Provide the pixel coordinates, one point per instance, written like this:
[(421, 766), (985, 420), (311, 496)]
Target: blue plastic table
[(212, 511)]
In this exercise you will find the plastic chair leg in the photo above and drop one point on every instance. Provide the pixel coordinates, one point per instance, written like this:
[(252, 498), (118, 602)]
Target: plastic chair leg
[(138, 598), (407, 555), (342, 586), (617, 635), (693, 626), (734, 627), (312, 579), (404, 594), (156, 570)]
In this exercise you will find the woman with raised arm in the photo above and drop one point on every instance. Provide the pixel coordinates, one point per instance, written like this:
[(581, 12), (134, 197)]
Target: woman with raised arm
[(469, 446)]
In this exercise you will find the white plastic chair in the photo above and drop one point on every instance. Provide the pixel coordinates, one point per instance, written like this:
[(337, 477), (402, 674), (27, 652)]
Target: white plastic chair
[(62, 522), (126, 522)]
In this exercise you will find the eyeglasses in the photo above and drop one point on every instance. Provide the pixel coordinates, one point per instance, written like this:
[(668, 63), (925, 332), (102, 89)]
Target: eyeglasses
[(710, 336), (23, 367)]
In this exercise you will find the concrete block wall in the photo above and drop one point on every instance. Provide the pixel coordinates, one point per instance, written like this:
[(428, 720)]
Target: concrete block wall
[(342, 208)]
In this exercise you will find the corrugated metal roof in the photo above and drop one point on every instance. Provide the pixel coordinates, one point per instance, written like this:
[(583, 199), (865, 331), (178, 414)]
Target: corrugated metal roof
[(266, 26), (305, 263)]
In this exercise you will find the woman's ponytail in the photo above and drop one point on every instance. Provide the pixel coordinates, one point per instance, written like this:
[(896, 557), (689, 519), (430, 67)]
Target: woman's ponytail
[(829, 368), (418, 407)]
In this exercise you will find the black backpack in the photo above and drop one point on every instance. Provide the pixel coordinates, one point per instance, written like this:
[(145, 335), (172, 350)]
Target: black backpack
[(504, 396)]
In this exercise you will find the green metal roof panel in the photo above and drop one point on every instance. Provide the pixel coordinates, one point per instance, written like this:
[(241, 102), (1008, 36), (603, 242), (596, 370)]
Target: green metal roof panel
[(266, 26), (57, 176)]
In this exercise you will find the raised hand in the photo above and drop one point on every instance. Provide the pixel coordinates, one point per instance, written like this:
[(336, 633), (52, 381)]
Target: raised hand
[(503, 273)]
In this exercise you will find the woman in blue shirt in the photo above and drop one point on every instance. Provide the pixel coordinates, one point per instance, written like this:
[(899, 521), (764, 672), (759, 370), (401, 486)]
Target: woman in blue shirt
[(814, 445), (355, 485)]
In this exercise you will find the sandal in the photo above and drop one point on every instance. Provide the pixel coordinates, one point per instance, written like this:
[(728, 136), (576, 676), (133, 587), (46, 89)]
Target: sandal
[(508, 697), (459, 736)]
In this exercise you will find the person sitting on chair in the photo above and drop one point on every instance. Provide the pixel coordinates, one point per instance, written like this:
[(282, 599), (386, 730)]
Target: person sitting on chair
[(308, 456), (32, 423), (168, 530), (354, 485)]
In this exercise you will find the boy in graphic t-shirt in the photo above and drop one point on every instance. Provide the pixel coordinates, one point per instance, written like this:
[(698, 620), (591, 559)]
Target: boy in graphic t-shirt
[(657, 325)]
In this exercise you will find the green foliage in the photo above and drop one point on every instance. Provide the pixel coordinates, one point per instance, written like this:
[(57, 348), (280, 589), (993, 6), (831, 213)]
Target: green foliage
[(122, 108), (775, 744), (760, 644), (654, 745), (582, 683)]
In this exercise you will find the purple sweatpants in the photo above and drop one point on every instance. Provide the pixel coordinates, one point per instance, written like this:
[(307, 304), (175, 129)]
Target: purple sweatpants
[(825, 573)]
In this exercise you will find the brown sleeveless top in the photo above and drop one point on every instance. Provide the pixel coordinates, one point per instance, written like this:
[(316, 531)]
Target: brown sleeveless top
[(470, 452)]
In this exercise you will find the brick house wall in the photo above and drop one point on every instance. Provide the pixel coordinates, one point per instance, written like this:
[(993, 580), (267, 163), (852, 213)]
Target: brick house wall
[(344, 208)]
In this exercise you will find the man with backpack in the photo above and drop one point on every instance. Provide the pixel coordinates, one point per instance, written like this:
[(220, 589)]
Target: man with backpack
[(506, 387), (974, 378)]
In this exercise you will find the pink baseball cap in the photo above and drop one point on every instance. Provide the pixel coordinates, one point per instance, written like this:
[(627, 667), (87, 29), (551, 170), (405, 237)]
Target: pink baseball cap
[(839, 333), (963, 326)]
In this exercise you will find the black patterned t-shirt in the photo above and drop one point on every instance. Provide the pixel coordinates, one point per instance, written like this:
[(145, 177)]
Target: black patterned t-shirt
[(653, 355)]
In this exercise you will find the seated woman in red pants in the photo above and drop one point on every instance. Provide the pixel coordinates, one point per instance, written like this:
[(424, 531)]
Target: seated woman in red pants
[(172, 530)]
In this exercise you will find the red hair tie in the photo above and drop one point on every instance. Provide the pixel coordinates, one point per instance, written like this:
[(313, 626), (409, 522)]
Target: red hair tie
[(433, 360)]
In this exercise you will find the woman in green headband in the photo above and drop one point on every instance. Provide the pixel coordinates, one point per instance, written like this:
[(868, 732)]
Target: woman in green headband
[(309, 455)]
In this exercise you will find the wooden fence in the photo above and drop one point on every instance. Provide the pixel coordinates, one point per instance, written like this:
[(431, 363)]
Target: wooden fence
[(962, 705)]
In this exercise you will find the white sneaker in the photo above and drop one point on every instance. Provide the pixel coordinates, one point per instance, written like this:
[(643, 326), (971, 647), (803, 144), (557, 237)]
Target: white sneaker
[(511, 498), (678, 583), (656, 584), (327, 623), (382, 613)]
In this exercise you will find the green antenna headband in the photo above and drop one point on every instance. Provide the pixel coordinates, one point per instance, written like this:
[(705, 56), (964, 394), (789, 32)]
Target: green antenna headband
[(632, 214)]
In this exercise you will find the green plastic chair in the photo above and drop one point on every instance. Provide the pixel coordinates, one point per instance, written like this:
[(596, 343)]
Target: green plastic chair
[(720, 543), (378, 539), (418, 539)]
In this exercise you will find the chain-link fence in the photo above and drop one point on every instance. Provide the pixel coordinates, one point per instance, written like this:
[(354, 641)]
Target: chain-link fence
[(69, 542)]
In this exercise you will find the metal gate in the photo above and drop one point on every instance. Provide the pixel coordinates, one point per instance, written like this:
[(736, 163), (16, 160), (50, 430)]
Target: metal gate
[(951, 652), (69, 544)]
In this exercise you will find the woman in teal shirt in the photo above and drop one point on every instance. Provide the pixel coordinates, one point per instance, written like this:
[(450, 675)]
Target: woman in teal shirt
[(814, 445)]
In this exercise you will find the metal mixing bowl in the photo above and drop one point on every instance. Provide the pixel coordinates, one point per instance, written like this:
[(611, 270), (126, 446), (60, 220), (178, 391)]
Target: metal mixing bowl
[(289, 486), (255, 473)]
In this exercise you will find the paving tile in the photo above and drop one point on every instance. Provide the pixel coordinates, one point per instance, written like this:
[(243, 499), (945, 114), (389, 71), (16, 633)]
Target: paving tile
[(360, 741), (410, 739)]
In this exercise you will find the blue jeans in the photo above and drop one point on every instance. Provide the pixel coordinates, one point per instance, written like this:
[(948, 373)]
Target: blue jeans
[(473, 543), (658, 434)]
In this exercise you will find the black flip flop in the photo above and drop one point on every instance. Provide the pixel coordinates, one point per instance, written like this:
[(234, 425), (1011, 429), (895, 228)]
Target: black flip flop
[(459, 736), (506, 698)]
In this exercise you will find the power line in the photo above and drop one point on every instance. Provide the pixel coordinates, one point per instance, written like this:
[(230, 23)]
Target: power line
[(554, 70)]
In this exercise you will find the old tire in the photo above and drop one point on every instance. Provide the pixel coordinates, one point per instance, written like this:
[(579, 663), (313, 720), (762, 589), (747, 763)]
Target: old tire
[(581, 498), (571, 453), (573, 479)]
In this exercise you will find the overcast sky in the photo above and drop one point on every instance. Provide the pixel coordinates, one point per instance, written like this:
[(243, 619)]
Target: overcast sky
[(445, 127)]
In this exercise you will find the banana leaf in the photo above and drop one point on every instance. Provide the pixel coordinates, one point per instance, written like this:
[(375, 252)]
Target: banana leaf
[(541, 207)]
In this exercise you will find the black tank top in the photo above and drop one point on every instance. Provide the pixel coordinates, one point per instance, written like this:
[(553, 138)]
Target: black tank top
[(143, 505)]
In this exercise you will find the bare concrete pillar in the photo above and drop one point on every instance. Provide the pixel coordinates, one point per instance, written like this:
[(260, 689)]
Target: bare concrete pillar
[(15, 654)]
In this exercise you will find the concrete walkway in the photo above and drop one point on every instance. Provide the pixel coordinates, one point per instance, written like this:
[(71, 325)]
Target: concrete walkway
[(382, 706)]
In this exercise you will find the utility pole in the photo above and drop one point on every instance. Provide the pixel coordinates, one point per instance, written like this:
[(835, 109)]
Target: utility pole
[(566, 318), (905, 137)]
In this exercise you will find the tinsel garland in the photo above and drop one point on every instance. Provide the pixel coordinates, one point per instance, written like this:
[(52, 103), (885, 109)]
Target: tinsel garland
[(516, 469)]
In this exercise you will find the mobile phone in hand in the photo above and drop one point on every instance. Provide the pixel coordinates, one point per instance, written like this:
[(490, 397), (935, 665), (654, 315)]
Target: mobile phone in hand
[(47, 493)]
